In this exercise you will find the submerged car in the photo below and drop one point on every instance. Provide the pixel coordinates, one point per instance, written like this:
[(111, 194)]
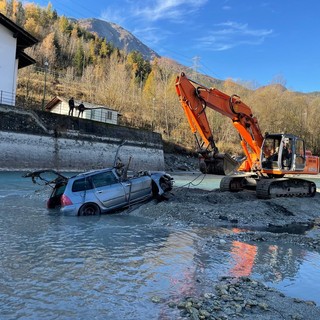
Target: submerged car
[(101, 191)]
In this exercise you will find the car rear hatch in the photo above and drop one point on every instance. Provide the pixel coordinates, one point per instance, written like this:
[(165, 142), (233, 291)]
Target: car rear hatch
[(51, 178)]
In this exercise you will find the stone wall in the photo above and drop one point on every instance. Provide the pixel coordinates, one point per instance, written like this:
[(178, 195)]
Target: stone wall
[(41, 140)]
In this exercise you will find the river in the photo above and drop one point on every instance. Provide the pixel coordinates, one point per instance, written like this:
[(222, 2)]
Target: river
[(118, 266)]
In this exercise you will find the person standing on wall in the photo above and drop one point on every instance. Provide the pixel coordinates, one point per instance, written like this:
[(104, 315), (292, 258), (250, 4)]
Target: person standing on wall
[(71, 106), (81, 108)]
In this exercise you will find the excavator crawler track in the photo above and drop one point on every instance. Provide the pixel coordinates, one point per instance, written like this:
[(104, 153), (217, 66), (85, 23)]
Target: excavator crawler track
[(285, 187), (235, 183), (269, 188), (230, 183)]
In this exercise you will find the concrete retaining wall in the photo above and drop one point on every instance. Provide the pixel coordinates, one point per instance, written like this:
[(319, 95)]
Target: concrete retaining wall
[(39, 140)]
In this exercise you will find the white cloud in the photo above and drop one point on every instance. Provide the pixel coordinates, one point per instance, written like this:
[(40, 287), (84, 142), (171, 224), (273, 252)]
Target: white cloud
[(150, 35), (232, 34), (113, 15), (142, 17), (167, 9)]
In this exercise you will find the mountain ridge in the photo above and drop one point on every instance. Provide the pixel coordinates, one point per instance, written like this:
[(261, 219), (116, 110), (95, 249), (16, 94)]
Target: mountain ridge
[(118, 36)]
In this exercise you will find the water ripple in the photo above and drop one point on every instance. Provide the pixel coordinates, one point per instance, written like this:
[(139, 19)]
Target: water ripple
[(110, 267)]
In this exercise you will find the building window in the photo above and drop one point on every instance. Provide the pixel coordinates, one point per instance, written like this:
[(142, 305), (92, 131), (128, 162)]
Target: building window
[(109, 115)]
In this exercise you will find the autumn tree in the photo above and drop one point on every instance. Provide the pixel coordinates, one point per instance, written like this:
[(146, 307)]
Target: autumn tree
[(104, 50), (3, 7), (64, 25), (140, 67), (49, 49)]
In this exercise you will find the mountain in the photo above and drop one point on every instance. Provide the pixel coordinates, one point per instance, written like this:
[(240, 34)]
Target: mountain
[(277, 87), (118, 36)]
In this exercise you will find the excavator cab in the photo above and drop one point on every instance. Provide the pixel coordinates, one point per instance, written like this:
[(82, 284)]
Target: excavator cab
[(283, 153)]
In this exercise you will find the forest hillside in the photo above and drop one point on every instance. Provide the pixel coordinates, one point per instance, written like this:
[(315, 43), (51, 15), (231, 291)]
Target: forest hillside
[(86, 65)]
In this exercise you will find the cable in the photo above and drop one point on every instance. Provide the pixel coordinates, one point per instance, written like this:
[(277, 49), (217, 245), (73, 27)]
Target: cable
[(71, 11), (191, 182)]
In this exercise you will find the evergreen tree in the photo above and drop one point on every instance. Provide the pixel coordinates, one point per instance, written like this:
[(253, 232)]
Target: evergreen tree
[(78, 61)]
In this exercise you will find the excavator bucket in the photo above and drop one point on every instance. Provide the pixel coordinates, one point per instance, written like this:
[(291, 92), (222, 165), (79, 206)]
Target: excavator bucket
[(221, 164)]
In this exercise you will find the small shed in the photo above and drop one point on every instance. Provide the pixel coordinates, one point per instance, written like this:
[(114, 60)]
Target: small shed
[(92, 111)]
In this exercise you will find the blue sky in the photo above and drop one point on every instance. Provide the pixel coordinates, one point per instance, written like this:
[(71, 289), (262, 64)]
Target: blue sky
[(252, 41)]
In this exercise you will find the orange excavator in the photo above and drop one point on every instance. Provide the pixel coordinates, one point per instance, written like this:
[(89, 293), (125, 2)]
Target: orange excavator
[(268, 158)]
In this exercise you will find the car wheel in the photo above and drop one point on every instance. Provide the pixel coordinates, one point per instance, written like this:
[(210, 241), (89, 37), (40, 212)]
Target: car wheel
[(164, 186), (155, 191), (89, 209)]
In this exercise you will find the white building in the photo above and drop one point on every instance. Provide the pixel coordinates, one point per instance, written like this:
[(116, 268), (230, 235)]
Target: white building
[(13, 40), (92, 111)]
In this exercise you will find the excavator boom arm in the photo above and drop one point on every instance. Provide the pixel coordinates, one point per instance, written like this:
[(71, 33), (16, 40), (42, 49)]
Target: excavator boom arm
[(195, 98)]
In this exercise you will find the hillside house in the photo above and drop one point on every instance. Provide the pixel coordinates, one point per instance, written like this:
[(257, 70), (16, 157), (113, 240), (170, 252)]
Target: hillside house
[(13, 40), (94, 112)]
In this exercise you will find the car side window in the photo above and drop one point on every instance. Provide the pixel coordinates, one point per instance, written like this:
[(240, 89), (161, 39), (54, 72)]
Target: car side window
[(82, 184), (104, 179)]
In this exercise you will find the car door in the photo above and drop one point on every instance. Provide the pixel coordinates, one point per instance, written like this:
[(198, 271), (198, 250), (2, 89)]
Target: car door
[(109, 190), (138, 188)]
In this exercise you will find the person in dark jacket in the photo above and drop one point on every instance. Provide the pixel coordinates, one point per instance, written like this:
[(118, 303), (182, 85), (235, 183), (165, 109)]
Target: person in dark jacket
[(71, 106), (81, 108)]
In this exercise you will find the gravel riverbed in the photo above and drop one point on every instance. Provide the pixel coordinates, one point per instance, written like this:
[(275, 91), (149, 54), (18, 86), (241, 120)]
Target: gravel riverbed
[(281, 220)]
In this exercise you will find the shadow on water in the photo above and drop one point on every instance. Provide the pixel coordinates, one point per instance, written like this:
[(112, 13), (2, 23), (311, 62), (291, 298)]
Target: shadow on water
[(293, 228)]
